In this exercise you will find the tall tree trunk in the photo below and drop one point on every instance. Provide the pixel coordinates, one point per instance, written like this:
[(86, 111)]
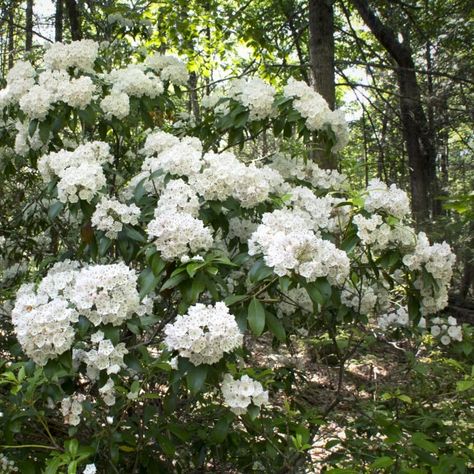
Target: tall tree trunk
[(321, 47), (11, 37), (420, 149), (321, 51), (29, 25), (58, 21), (74, 20)]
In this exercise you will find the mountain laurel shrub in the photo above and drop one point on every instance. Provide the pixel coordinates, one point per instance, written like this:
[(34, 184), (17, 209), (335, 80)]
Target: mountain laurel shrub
[(146, 257)]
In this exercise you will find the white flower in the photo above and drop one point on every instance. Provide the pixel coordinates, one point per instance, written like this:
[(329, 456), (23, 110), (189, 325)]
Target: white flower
[(110, 215), (239, 394), (254, 94), (90, 469), (77, 54), (392, 200), (177, 233), (117, 104), (204, 334), (106, 293), (133, 81)]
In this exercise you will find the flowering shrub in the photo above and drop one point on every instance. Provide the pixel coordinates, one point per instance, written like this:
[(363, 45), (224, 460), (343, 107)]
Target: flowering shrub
[(170, 257)]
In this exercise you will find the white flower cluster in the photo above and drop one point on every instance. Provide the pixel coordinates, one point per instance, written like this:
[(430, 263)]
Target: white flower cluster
[(395, 318), (119, 19), (317, 209), (173, 156), (77, 54), (105, 356), (204, 334), (254, 94), (391, 200), (7, 466), (176, 234), (71, 409), (106, 294), (241, 229), (294, 168), (107, 392), (23, 141), (316, 111), (44, 317), (90, 469), (170, 68), (294, 300), (223, 175), (135, 82), (116, 104), (20, 79), (287, 244), (446, 330), (239, 394), (377, 233), (362, 299), (438, 261), (54, 84), (80, 172), (110, 215), (178, 196)]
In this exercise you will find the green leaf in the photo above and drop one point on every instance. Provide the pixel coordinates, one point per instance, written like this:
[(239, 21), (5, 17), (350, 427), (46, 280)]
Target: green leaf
[(133, 234), (382, 462), (276, 327), (253, 411), (259, 271), (55, 209), (44, 129), (463, 385), (196, 377), (193, 267), (220, 430), (174, 281), (157, 264), (147, 282), (232, 299), (256, 316), (32, 127), (419, 439), (104, 245)]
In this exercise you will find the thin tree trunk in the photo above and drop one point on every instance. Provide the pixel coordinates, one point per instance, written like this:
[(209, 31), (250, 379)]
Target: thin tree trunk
[(11, 38), (74, 20), (321, 52), (29, 25), (193, 98), (58, 21), (420, 149)]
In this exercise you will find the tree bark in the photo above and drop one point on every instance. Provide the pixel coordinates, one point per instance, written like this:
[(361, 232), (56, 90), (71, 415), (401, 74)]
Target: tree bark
[(321, 47), (74, 20), (321, 52), (11, 37), (420, 149), (29, 25), (58, 21)]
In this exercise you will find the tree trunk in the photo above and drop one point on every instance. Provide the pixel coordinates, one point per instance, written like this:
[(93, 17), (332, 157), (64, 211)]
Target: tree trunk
[(58, 21), (321, 52), (74, 20), (321, 47), (29, 25), (11, 37), (193, 104), (420, 149)]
